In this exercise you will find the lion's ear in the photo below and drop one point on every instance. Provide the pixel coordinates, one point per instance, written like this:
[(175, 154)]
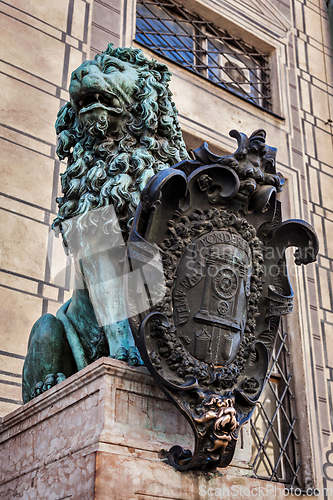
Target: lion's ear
[(65, 118), (161, 70)]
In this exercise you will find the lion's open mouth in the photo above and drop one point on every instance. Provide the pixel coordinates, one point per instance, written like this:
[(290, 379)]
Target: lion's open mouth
[(110, 102)]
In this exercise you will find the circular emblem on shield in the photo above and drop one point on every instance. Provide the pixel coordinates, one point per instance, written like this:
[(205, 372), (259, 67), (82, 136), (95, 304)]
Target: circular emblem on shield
[(223, 308), (225, 283)]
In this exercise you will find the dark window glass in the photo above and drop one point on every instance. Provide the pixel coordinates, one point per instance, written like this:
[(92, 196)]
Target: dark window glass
[(156, 28)]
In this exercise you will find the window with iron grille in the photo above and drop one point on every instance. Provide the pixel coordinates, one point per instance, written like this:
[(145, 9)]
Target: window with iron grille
[(187, 39), (275, 454)]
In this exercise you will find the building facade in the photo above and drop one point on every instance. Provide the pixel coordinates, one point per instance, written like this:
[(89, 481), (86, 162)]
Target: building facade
[(244, 65)]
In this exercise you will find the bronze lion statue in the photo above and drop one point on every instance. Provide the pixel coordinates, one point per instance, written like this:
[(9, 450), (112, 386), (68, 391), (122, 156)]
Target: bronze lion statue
[(119, 129)]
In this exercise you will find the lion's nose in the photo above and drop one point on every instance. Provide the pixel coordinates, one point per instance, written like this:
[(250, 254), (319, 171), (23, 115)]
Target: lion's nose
[(81, 72)]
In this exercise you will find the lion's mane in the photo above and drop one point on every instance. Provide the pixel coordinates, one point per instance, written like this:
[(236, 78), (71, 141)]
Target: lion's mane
[(114, 170)]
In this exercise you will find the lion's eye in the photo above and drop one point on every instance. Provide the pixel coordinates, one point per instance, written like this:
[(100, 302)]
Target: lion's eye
[(112, 66)]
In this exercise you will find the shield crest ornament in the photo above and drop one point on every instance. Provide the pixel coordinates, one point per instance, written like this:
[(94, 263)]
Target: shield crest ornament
[(207, 285)]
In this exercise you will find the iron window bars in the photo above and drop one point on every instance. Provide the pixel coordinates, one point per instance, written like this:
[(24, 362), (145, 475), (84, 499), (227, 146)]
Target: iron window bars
[(274, 438), (196, 44)]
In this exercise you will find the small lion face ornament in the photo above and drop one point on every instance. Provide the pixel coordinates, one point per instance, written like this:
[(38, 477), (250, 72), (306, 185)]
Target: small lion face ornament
[(218, 422)]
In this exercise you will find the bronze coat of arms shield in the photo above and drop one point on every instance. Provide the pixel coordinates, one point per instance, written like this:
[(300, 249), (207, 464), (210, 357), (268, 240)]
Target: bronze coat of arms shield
[(207, 285)]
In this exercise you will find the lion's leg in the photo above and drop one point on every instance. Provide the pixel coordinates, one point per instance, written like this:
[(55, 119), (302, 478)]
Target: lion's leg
[(121, 343), (119, 334), (100, 258), (103, 275), (49, 359)]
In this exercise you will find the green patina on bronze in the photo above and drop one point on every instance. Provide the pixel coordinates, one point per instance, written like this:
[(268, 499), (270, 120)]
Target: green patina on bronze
[(119, 129)]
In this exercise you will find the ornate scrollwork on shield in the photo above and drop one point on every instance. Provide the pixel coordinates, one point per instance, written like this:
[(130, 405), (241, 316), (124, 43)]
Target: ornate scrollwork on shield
[(208, 285)]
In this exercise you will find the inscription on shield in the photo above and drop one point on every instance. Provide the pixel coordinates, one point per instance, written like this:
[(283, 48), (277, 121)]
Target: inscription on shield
[(210, 295)]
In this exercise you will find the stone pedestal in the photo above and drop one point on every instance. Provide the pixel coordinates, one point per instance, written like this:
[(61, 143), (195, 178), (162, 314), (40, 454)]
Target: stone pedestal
[(98, 435)]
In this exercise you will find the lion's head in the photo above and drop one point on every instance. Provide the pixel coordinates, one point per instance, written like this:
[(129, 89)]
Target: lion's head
[(119, 129)]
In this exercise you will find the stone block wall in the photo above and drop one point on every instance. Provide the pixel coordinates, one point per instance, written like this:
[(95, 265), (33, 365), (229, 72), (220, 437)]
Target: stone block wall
[(41, 44)]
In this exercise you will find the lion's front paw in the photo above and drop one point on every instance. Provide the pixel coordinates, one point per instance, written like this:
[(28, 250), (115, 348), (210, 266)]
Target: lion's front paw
[(121, 354), (50, 380), (132, 356)]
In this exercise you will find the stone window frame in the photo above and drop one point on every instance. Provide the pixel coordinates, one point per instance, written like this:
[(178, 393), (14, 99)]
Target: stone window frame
[(258, 33), (185, 38)]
